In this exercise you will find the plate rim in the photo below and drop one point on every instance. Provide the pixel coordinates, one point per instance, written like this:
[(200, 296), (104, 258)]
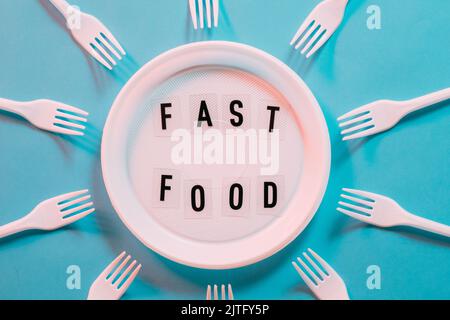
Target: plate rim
[(324, 135)]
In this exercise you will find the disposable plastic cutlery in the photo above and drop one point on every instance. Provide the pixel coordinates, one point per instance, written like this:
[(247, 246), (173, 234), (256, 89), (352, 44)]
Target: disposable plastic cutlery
[(91, 34), (324, 282), (382, 115), (320, 25), (384, 212), (110, 284), (49, 115), (198, 4), (52, 214), (213, 294)]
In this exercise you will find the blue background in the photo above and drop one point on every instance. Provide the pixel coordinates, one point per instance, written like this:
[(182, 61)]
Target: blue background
[(408, 57)]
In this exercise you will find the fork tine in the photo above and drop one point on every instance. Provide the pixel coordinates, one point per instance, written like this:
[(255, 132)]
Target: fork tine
[(68, 108), (208, 292), (108, 46), (300, 31), (77, 217), (70, 195), (66, 131), (362, 134), (68, 124), (216, 293), (352, 206), (130, 279), (208, 12), (113, 40), (355, 112), (112, 265), (310, 272), (369, 195), (200, 13), (99, 58), (325, 37), (70, 116), (216, 12), (358, 200), (322, 262), (193, 10), (361, 126), (355, 120), (73, 202), (103, 51), (318, 33), (125, 273), (315, 266), (230, 292), (354, 215), (303, 275), (307, 35), (119, 268), (76, 209), (223, 293)]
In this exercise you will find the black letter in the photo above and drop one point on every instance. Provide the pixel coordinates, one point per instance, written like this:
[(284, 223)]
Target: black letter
[(266, 194), (202, 198), (240, 196), (206, 117), (272, 116), (164, 187), (236, 123), (165, 116)]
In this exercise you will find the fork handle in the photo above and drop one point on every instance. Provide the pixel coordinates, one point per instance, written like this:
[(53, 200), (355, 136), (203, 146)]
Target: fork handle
[(427, 225), (427, 100), (12, 106), (14, 227), (62, 6)]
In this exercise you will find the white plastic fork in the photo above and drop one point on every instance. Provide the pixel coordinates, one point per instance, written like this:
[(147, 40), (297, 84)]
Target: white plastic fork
[(324, 19), (110, 284), (382, 115), (194, 4), (52, 214), (224, 295), (91, 34), (48, 115), (384, 212), (324, 282)]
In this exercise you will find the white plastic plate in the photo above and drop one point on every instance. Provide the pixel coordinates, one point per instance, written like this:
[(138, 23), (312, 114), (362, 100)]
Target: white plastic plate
[(136, 152)]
